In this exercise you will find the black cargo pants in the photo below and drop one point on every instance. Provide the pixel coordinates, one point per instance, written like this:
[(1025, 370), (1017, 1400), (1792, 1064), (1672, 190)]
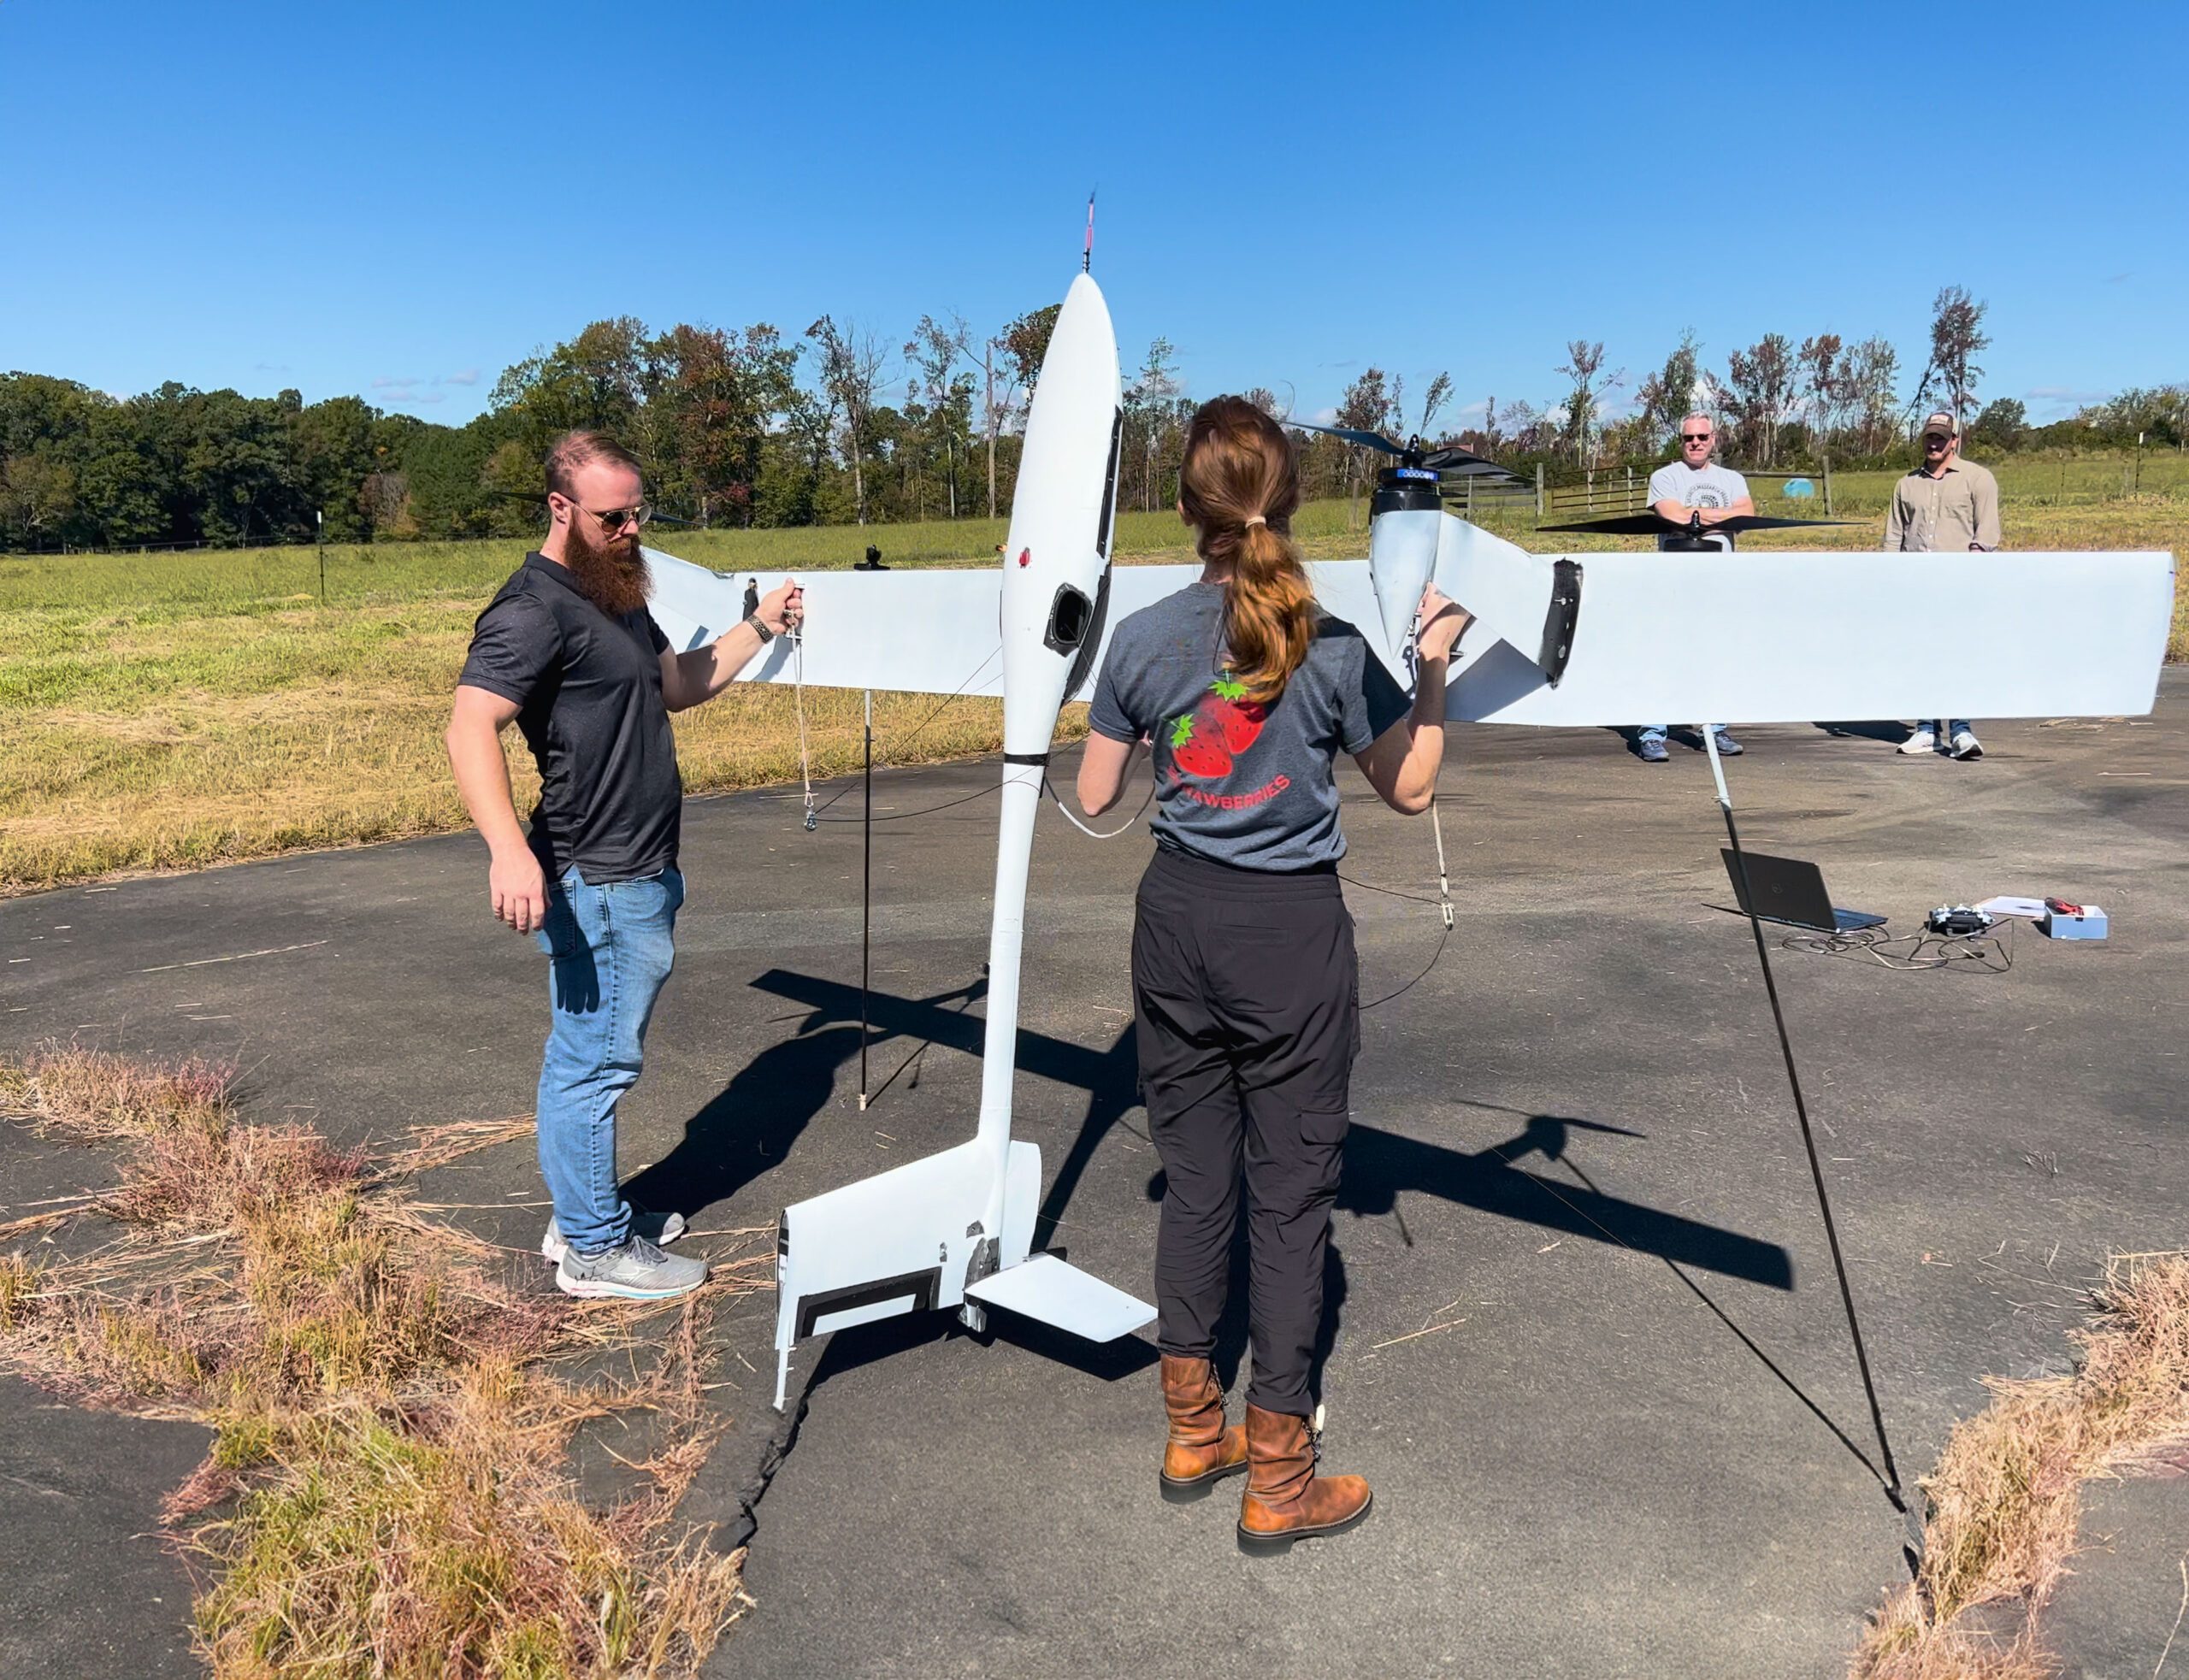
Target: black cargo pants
[(1247, 995)]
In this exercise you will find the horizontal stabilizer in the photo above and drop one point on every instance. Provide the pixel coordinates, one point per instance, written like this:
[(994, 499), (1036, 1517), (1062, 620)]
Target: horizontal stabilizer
[(1048, 1290)]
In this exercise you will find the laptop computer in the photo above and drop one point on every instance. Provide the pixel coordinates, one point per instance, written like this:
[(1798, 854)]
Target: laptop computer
[(1791, 891)]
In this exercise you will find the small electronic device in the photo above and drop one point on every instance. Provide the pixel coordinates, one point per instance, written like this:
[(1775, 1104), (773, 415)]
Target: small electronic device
[(1957, 921), (1791, 890)]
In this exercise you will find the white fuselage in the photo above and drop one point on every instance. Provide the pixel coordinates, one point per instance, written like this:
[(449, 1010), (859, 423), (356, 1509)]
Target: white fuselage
[(1053, 568)]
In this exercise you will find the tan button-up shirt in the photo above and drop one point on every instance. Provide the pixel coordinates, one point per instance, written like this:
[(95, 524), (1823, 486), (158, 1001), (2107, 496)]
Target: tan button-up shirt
[(1957, 509)]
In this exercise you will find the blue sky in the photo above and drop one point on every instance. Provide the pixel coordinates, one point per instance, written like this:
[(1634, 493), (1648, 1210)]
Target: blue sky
[(399, 200)]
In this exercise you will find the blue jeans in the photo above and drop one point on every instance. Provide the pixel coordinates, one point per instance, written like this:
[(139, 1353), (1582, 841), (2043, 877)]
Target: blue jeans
[(1945, 728), (1655, 732), (610, 948)]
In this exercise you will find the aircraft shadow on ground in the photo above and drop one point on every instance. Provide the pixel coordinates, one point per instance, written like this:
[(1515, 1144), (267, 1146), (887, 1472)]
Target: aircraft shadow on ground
[(1378, 1164), (761, 1112), (753, 1124)]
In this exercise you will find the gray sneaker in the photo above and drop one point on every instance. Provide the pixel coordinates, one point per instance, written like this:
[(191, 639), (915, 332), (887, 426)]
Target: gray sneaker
[(656, 1227), (637, 1271)]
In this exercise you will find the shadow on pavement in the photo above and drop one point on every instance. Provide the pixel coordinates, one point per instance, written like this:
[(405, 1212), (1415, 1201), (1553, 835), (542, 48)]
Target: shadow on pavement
[(1891, 733), (763, 1109)]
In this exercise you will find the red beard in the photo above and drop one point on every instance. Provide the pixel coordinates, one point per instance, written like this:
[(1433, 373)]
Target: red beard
[(611, 575)]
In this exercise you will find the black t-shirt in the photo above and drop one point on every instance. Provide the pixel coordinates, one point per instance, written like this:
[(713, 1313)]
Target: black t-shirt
[(587, 689)]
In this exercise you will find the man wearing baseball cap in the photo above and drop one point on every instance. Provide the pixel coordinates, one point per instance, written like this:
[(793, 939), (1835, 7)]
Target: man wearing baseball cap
[(1943, 503)]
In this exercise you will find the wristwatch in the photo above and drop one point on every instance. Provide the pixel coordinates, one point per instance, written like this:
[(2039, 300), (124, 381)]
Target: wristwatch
[(765, 635)]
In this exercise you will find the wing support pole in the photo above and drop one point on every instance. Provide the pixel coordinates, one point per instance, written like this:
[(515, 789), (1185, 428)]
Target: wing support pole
[(1890, 1474)]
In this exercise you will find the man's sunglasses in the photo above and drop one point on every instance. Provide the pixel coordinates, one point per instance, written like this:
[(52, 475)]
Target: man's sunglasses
[(615, 519), (1695, 437)]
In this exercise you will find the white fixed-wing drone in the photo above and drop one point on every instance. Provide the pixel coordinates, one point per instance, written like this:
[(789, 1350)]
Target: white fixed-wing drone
[(1757, 638)]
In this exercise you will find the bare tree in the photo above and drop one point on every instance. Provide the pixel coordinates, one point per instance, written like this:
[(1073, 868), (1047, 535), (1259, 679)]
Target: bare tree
[(1956, 336), (851, 361), (1022, 345), (1366, 406), (1154, 389), (1871, 377), (1438, 394), (1584, 362), (1824, 378), (1760, 383), (1667, 396), (933, 350)]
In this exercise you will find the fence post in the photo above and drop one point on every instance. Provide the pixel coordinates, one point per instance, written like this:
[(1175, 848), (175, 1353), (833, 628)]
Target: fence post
[(1629, 489), (1538, 493), (1827, 486)]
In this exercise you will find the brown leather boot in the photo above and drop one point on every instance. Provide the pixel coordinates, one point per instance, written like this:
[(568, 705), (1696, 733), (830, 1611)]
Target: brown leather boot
[(1285, 1500), (1202, 1449)]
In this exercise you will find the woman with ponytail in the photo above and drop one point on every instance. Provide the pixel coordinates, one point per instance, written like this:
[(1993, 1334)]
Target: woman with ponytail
[(1245, 988)]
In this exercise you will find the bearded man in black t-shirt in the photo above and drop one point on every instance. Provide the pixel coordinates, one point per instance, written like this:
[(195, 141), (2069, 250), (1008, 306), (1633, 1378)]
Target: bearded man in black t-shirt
[(567, 652)]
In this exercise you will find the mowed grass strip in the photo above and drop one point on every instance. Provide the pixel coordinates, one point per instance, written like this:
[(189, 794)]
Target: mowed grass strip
[(172, 711)]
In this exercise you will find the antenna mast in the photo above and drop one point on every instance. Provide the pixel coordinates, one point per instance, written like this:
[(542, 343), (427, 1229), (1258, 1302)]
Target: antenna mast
[(1086, 256)]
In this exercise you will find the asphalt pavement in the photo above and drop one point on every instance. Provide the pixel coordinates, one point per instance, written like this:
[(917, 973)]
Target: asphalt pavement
[(1584, 1337)]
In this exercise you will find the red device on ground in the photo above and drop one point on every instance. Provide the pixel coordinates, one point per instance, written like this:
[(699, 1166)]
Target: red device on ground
[(2061, 907)]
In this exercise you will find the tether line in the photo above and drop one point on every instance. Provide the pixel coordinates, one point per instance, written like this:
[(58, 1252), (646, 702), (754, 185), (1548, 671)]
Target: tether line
[(1893, 1490)]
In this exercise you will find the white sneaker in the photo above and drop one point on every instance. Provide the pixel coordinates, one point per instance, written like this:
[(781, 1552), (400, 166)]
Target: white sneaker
[(1921, 741), (1966, 745), (661, 1228)]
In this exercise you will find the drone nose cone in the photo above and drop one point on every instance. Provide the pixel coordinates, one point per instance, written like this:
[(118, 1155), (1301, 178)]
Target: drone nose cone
[(1058, 548)]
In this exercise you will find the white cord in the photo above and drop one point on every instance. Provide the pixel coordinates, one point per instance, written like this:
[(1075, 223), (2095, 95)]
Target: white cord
[(1443, 882), (1130, 823), (804, 758)]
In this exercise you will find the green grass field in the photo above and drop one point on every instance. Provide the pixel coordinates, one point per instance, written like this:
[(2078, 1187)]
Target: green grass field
[(160, 711)]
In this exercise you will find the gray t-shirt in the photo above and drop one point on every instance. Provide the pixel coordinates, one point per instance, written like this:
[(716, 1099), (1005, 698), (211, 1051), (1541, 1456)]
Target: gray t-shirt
[(1711, 486), (1235, 782)]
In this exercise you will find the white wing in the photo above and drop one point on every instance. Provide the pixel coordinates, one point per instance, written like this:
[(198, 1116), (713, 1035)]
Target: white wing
[(1755, 638), (1777, 637)]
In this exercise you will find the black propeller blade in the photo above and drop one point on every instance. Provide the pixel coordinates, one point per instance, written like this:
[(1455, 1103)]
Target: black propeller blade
[(1371, 440), (1442, 460), (1436, 460), (1656, 525), (1621, 525)]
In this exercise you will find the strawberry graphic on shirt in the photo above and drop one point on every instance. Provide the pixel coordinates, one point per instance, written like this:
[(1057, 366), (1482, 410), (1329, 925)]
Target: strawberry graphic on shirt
[(1205, 741)]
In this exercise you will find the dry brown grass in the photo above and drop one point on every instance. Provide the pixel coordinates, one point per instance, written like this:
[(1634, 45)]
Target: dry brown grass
[(388, 1491), (2007, 1491)]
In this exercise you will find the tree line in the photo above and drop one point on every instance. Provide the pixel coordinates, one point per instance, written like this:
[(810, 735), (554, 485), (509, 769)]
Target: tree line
[(1777, 403), (842, 424)]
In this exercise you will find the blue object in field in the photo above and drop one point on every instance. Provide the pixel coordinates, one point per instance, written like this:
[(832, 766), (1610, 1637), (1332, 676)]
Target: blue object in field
[(1799, 489)]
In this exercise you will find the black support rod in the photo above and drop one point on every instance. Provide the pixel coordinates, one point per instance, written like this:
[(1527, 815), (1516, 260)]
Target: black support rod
[(1892, 1489)]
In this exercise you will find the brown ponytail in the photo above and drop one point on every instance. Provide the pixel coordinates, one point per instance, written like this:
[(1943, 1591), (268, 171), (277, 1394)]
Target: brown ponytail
[(1238, 487)]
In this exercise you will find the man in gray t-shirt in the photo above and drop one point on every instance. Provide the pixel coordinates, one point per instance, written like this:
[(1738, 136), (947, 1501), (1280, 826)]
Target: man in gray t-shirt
[(1694, 488)]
